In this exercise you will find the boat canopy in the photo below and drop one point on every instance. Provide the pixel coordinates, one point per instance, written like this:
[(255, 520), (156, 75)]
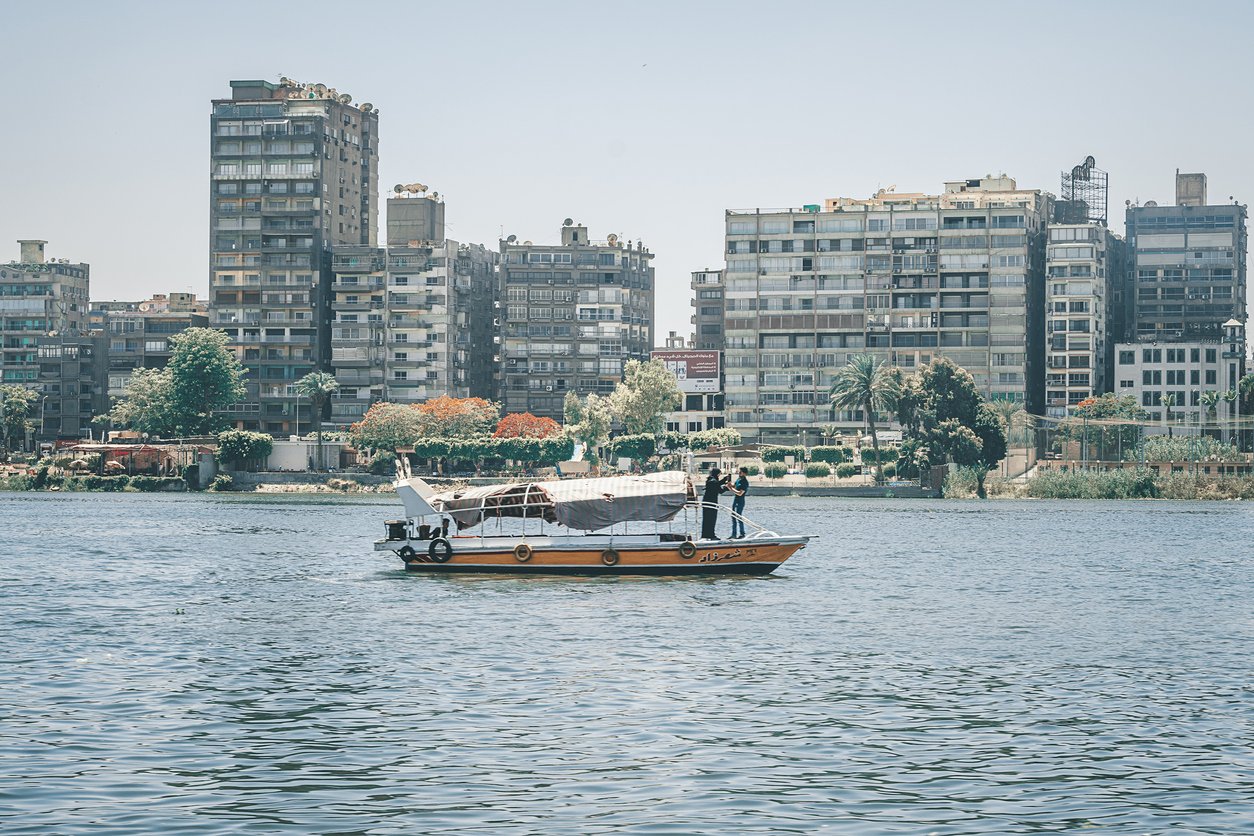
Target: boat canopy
[(581, 504)]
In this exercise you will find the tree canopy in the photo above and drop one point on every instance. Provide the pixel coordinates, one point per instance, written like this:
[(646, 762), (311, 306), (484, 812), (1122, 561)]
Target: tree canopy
[(202, 377), (446, 417), (867, 384), (647, 392), (526, 425), (587, 421), (16, 405)]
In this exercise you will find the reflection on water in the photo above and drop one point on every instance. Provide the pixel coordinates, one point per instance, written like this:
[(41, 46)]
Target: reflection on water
[(205, 664)]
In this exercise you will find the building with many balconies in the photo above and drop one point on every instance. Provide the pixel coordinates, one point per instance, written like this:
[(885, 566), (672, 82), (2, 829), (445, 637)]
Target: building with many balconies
[(904, 277), (294, 172), (571, 316)]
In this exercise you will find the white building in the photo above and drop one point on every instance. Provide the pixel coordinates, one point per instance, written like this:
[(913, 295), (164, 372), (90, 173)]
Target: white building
[(1174, 377)]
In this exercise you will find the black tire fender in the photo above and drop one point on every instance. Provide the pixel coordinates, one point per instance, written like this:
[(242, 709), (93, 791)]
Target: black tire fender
[(687, 550), (440, 550), (609, 557), (406, 553)]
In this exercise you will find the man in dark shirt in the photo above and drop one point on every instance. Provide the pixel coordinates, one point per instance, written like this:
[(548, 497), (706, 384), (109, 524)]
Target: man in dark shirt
[(740, 489), (714, 485)]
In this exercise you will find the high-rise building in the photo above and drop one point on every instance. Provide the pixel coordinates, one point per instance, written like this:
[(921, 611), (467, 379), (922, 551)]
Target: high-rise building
[(1084, 263), (904, 277), (44, 342), (572, 315), (707, 303), (1187, 265), (294, 173), (414, 320)]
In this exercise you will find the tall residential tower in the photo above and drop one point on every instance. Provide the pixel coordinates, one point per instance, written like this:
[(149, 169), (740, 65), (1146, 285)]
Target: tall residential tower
[(294, 172)]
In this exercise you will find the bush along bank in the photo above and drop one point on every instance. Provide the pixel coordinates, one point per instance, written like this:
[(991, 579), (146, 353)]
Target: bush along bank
[(1115, 484), (43, 480)]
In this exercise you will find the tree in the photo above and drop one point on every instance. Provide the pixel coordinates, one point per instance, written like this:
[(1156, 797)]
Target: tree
[(940, 409), (446, 417), (387, 426), (647, 392), (869, 385), (205, 376), (146, 404), (525, 424), (16, 403), (1169, 400), (240, 446), (591, 426), (318, 387)]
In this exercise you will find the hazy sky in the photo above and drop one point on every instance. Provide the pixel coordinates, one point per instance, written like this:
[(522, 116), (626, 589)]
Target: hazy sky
[(645, 119)]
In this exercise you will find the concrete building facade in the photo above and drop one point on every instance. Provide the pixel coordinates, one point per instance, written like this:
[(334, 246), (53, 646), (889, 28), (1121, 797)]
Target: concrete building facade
[(1188, 265), (708, 309), (571, 315), (414, 320), (904, 277), (43, 318), (294, 172), (138, 333), (1084, 262), (1169, 379)]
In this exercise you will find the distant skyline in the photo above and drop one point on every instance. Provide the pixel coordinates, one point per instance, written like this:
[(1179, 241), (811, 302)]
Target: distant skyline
[(645, 120)]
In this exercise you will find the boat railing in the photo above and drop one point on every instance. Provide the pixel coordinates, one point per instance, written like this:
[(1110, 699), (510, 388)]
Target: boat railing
[(758, 530)]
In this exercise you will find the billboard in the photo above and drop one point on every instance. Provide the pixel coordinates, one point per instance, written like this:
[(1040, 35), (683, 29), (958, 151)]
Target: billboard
[(697, 371)]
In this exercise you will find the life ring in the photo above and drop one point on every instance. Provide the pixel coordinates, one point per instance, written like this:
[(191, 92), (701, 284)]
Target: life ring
[(522, 552), (440, 550), (406, 553), (609, 557), (687, 549)]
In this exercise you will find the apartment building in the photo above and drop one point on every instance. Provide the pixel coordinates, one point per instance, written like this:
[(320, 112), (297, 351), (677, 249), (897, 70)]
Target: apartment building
[(1188, 265), (1169, 379), (572, 314), (294, 172), (138, 333), (904, 277), (1084, 263), (708, 311), (43, 318), (413, 320)]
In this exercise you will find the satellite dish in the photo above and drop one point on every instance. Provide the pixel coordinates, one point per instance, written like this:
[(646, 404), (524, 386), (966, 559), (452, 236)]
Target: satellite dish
[(526, 243), (511, 239), (611, 239), (320, 88), (398, 188), (345, 98), (367, 107), (567, 222), (1151, 203), (284, 80), (416, 187), (435, 195)]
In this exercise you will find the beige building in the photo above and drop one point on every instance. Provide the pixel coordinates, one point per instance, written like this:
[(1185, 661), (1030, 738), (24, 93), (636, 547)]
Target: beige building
[(905, 277)]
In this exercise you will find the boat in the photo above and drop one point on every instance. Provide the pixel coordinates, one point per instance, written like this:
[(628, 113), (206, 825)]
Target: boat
[(621, 525)]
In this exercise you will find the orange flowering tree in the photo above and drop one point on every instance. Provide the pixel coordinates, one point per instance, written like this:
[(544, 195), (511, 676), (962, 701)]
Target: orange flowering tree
[(387, 426), (446, 417), (526, 425)]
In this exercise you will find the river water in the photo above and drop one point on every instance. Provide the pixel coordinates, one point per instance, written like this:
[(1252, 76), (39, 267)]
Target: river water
[(204, 664)]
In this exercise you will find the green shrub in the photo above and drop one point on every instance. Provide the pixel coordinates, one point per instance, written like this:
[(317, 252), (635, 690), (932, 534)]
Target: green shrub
[(149, 484), (887, 454), (383, 464), (818, 470), (16, 482), (775, 470), (636, 447), (556, 449), (846, 469), (103, 483), (832, 454), (1092, 484), (890, 470), (778, 454), (240, 446), (191, 477), (752, 469), (705, 439), (222, 482)]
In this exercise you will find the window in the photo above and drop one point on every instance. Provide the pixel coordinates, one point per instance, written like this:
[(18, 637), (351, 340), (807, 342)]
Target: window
[(1127, 358)]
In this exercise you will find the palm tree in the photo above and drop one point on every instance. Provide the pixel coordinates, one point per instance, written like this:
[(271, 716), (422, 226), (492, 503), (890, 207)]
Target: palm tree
[(1169, 400), (869, 385), (1019, 424), (318, 387), (1210, 400)]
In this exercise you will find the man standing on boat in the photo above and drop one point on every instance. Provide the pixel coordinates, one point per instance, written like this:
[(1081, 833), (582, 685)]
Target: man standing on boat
[(740, 489), (715, 484)]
